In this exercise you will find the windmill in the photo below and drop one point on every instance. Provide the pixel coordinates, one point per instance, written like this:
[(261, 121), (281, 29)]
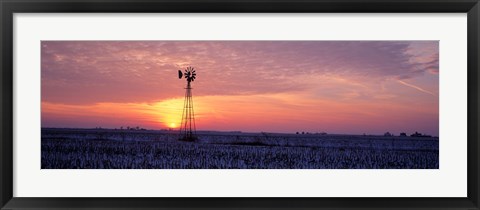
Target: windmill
[(187, 128)]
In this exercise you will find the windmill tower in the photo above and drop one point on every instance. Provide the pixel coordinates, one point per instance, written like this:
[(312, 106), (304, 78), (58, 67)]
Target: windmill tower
[(187, 128)]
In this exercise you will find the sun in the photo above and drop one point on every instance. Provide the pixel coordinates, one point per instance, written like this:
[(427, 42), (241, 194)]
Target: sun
[(168, 112), (172, 125)]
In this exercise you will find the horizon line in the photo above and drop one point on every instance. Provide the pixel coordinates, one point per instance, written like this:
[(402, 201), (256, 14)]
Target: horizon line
[(238, 131)]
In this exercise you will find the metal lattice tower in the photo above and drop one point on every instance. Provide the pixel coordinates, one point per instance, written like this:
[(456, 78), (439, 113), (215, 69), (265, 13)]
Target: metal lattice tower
[(187, 127)]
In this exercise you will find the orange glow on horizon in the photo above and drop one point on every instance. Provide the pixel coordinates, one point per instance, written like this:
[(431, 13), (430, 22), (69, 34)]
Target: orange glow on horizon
[(273, 112)]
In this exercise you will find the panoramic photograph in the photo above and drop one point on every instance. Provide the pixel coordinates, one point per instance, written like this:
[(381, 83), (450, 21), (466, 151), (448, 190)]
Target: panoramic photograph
[(240, 105)]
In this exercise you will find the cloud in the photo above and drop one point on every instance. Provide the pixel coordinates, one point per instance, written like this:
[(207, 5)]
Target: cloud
[(82, 72), (415, 87)]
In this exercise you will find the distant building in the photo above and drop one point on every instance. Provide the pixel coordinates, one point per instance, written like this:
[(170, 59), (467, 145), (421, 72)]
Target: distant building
[(387, 134), (403, 134)]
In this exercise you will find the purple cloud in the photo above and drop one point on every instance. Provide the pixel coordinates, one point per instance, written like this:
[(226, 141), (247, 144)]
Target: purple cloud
[(83, 72)]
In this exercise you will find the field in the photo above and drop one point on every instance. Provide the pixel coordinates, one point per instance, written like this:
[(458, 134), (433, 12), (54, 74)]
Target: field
[(145, 149)]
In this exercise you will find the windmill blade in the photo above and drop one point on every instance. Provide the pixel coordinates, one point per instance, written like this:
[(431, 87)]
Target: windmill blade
[(189, 74), (180, 74)]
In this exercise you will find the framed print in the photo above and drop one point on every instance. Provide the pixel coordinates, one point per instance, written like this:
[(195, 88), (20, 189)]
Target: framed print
[(239, 105)]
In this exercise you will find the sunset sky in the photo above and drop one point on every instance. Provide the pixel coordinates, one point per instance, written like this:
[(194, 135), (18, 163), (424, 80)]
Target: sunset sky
[(344, 87)]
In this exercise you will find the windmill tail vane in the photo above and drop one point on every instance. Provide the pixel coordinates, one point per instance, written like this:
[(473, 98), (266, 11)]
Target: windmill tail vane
[(188, 128)]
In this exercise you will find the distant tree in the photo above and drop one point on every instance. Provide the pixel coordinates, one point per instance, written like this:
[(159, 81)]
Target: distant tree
[(298, 132), (416, 134), (403, 134)]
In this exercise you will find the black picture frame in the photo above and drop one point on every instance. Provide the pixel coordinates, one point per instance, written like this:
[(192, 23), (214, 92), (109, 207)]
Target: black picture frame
[(9, 7)]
